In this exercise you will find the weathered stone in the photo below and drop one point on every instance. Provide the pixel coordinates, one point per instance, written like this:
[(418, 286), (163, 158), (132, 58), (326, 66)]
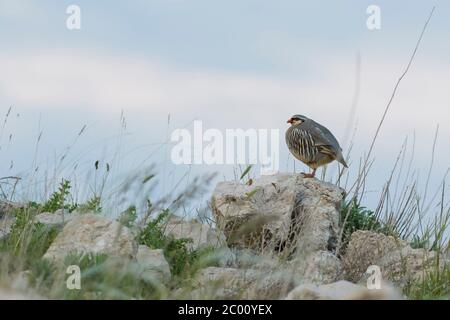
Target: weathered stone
[(7, 207), (408, 265), (321, 267), (202, 235), (398, 262), (364, 249), (5, 226), (91, 233), (232, 283), (343, 290), (153, 264), (279, 212), (246, 258), (57, 218)]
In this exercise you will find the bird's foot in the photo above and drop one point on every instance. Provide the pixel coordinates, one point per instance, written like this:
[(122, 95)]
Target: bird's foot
[(308, 175)]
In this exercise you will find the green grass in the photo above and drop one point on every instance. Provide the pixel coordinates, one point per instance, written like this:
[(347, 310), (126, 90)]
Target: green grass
[(109, 278), (28, 239), (434, 285), (103, 277), (183, 260)]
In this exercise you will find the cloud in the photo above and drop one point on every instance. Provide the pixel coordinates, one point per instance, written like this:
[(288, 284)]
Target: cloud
[(102, 83), (106, 83)]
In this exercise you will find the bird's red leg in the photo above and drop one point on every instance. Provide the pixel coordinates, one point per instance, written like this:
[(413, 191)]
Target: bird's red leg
[(309, 175)]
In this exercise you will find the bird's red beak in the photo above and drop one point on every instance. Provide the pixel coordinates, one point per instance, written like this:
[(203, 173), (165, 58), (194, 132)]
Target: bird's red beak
[(290, 121)]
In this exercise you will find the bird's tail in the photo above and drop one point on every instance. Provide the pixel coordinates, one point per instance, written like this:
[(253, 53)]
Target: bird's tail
[(341, 160)]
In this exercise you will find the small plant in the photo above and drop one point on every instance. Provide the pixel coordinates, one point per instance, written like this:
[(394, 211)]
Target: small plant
[(153, 233), (175, 250), (128, 217), (183, 260), (58, 199), (93, 205), (357, 217), (422, 242), (28, 239), (434, 285), (102, 277)]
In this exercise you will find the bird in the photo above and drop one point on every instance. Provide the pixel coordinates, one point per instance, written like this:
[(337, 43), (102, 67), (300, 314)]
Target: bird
[(312, 143)]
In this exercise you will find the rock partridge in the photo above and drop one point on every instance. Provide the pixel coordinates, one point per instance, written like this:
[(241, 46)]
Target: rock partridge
[(312, 143)]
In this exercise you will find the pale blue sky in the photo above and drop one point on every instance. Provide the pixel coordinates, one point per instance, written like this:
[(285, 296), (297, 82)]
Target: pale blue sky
[(232, 64)]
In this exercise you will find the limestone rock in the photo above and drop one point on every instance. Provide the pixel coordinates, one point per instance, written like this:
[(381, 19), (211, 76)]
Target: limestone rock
[(246, 258), (281, 212), (343, 290), (232, 283), (153, 264), (202, 235), (407, 265), (398, 262), (321, 267), (91, 233), (57, 218), (364, 249)]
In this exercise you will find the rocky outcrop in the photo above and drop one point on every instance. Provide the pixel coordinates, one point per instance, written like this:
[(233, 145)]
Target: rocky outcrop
[(153, 265), (321, 267), (202, 235), (343, 290), (274, 238), (265, 277), (407, 265), (91, 233), (57, 218), (232, 283), (398, 262), (283, 218), (364, 249), (284, 213)]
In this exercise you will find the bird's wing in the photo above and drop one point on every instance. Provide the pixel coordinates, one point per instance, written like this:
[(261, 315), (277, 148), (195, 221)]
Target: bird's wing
[(322, 136)]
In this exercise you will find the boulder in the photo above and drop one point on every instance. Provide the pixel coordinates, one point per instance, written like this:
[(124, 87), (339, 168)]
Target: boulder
[(407, 265), (398, 262), (232, 283), (281, 212), (343, 290), (153, 264), (92, 233), (321, 267), (57, 218), (202, 235), (364, 249), (246, 258)]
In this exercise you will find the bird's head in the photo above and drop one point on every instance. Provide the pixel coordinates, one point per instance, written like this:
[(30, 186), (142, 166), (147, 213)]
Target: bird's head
[(296, 119)]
